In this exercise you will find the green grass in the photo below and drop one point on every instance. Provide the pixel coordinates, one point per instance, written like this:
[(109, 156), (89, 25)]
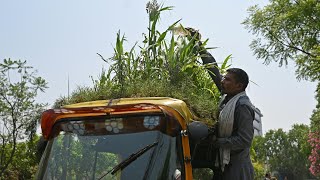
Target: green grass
[(163, 65)]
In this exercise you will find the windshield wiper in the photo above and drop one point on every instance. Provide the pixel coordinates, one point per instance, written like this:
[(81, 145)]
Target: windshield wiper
[(123, 164)]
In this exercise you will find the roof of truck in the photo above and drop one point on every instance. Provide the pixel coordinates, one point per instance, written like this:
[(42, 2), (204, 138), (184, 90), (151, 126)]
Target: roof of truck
[(178, 105)]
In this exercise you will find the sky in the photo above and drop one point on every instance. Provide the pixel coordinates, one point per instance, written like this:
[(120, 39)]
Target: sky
[(61, 40)]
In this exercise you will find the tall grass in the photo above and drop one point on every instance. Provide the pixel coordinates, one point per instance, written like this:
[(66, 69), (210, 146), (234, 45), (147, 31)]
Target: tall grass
[(164, 64)]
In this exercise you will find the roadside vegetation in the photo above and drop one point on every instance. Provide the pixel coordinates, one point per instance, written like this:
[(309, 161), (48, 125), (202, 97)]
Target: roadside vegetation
[(289, 32), (19, 115), (163, 64), (166, 63)]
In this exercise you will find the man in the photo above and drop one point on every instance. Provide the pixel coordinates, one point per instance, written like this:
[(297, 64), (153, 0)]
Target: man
[(235, 122)]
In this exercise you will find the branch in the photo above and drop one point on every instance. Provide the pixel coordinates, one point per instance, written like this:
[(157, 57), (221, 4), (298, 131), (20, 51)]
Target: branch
[(2, 149), (293, 47), (7, 100), (21, 125), (298, 49)]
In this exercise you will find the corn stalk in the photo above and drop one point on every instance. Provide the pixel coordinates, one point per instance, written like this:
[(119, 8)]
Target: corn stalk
[(165, 65)]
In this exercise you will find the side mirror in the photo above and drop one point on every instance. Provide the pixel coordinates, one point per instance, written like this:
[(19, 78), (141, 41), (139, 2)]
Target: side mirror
[(198, 130)]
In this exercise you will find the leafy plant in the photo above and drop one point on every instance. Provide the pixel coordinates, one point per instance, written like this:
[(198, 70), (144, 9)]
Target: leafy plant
[(288, 30), (164, 65), (19, 113), (314, 140), (285, 152), (24, 162)]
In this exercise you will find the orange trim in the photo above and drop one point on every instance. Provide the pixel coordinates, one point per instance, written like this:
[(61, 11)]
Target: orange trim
[(48, 122), (134, 112), (51, 116), (185, 141)]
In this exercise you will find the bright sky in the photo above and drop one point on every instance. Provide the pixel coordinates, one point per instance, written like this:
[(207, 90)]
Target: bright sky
[(61, 38)]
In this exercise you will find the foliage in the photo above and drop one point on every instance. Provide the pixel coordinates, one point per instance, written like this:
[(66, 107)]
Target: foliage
[(24, 162), (299, 149), (202, 174), (290, 30), (315, 118), (19, 113), (259, 170), (314, 140), (165, 65), (286, 30), (285, 152), (258, 165), (314, 137)]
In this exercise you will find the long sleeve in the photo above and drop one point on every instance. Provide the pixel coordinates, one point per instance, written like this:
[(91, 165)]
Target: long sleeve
[(242, 135), (213, 71)]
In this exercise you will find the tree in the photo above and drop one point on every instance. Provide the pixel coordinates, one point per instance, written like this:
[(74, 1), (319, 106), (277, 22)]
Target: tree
[(19, 113), (315, 118), (285, 152), (257, 162), (314, 138), (288, 30), (24, 163), (299, 150)]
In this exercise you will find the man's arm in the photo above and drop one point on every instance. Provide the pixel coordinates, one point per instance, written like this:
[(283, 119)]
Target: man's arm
[(213, 69), (206, 57), (243, 135)]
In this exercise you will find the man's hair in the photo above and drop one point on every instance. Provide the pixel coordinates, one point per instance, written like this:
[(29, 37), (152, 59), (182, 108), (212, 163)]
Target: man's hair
[(240, 75)]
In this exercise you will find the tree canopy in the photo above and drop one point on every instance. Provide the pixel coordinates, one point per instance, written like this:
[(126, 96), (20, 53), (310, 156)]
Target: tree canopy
[(19, 113), (288, 30), (285, 152)]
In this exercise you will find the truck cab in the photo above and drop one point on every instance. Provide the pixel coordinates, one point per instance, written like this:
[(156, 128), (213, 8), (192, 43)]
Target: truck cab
[(127, 138)]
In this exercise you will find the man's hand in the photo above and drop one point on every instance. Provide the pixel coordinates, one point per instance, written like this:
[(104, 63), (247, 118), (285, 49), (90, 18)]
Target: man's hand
[(194, 33)]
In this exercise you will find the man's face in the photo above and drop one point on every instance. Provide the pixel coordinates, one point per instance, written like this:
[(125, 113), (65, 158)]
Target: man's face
[(230, 86)]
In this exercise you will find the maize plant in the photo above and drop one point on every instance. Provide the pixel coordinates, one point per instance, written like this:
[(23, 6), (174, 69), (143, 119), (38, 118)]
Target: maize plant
[(164, 64)]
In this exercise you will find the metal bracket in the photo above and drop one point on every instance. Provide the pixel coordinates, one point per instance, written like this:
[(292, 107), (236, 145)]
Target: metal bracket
[(187, 159), (184, 133)]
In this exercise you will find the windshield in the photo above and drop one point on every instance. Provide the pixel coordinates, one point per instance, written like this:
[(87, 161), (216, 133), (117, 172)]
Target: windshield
[(87, 149)]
